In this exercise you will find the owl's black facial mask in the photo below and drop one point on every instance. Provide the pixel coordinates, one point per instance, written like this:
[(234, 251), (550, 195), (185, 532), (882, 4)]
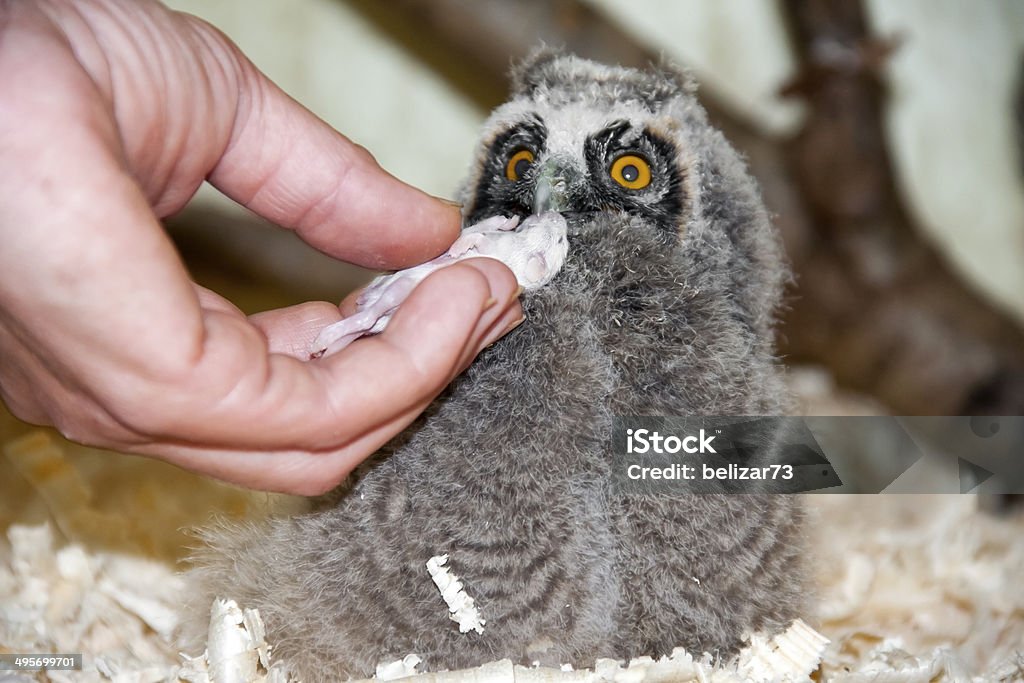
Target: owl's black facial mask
[(499, 194), (624, 168), (615, 160)]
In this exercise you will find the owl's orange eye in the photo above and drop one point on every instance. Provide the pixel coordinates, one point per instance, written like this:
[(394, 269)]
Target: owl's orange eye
[(631, 171), (518, 164)]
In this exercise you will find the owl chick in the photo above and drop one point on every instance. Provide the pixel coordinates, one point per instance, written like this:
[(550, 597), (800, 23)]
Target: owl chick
[(664, 306)]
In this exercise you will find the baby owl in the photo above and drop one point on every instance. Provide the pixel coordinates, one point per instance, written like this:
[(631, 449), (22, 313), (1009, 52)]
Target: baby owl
[(664, 306)]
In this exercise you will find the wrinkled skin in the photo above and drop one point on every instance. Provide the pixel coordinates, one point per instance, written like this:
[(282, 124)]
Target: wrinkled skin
[(112, 114)]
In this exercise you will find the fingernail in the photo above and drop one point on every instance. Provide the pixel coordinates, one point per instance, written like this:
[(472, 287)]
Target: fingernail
[(508, 329), (515, 295), (515, 324), (450, 202), (488, 303)]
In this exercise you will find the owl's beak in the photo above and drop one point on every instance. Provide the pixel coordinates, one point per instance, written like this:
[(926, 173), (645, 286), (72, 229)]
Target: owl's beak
[(551, 191)]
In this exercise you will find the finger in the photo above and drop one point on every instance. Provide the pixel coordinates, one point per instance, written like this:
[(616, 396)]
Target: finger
[(211, 300), (348, 304), (37, 394), (313, 473), (294, 472), (292, 168), (510, 320), (18, 391), (510, 317), (240, 396), (292, 330)]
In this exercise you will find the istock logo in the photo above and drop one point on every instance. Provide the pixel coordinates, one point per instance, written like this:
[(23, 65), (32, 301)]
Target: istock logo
[(645, 441)]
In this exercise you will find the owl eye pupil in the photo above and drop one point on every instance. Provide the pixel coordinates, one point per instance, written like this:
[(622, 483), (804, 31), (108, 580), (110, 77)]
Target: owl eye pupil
[(518, 164), (521, 167), (631, 171)]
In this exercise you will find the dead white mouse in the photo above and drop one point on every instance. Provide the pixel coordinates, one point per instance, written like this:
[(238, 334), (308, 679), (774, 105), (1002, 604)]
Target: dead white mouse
[(534, 251)]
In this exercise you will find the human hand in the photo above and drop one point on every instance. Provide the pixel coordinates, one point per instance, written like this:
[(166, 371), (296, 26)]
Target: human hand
[(112, 114)]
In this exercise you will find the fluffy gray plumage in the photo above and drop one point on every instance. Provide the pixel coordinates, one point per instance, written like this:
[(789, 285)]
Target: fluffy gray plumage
[(665, 307)]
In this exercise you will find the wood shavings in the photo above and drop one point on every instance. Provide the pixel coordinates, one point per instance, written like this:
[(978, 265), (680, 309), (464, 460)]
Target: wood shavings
[(236, 649), (73, 599), (918, 583), (461, 607), (790, 656), (851, 589), (107, 606), (400, 668), (889, 664), (121, 583)]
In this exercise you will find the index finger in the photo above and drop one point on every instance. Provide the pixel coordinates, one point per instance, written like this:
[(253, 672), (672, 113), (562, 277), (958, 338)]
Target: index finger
[(290, 167)]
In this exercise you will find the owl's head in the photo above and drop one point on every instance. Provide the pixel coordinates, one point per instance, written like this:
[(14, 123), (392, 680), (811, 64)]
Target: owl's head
[(581, 138), (629, 152)]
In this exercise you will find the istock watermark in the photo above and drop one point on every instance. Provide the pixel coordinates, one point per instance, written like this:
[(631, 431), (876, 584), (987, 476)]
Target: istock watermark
[(675, 455), (646, 441)]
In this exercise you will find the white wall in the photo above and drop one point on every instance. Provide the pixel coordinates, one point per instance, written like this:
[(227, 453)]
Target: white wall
[(736, 48), (952, 134)]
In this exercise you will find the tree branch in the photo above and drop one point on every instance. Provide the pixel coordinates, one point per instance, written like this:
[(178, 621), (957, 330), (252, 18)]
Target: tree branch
[(877, 303)]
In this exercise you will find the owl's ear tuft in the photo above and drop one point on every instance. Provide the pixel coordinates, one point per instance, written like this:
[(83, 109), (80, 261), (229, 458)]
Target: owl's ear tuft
[(535, 70), (680, 78), (566, 77)]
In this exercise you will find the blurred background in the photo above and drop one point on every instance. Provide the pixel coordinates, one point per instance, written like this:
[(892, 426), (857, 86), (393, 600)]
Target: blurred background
[(888, 138)]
